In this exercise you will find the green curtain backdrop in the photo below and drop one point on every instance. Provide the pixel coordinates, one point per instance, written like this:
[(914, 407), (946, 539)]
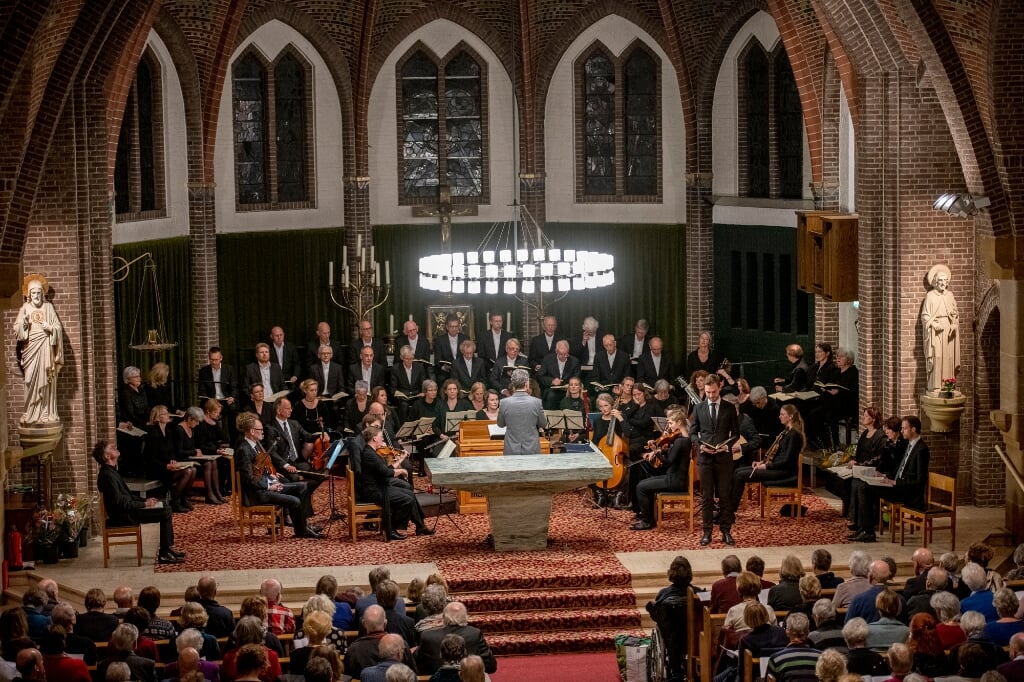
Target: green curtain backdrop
[(174, 275), (276, 278), (650, 276)]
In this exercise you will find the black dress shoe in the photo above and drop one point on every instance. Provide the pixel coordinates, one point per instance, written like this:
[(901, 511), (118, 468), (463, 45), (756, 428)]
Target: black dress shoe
[(315, 529), (727, 538), (853, 526), (706, 539), (424, 531), (864, 537), (395, 535), (309, 533), (168, 558), (174, 552), (641, 525)]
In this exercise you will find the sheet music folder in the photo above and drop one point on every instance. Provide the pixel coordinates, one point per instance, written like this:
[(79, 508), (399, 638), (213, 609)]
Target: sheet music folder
[(564, 419)]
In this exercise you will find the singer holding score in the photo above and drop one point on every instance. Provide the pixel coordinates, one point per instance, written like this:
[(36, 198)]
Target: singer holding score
[(780, 460), (715, 425)]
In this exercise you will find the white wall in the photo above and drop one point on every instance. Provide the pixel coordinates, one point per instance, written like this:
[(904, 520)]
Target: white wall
[(725, 110), (440, 37), (175, 223), (270, 39), (617, 34)]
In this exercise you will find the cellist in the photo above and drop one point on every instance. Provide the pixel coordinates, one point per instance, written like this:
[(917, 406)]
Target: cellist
[(676, 459), (607, 435)]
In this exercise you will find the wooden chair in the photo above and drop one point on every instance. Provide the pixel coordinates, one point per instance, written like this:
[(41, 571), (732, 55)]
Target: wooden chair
[(119, 535), (361, 513), (940, 503), (888, 516), (256, 516), (774, 492), (683, 502)]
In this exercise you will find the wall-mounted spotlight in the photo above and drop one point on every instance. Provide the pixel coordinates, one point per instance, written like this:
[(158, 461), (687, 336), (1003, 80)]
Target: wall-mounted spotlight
[(960, 205)]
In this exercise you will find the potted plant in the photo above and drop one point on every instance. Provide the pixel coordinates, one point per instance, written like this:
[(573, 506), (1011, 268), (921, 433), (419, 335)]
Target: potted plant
[(948, 386), (45, 531), (74, 512)]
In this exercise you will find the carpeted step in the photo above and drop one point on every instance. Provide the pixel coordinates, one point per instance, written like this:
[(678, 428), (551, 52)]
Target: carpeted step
[(546, 574), (579, 641), (514, 600), (557, 620)]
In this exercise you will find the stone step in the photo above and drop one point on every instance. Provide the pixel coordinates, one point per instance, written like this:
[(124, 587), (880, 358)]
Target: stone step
[(580, 619)]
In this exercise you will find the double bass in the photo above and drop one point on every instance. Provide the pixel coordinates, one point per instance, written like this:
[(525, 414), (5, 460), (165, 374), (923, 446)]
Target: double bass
[(615, 449)]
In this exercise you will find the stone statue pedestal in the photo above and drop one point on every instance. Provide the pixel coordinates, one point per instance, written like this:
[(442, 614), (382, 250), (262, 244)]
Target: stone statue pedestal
[(942, 412), (519, 489), (33, 436)]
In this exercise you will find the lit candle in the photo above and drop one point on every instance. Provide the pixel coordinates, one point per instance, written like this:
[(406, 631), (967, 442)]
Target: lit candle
[(376, 273), (362, 259), (371, 253), (330, 274), (345, 276), (508, 319), (410, 317), (387, 272), (359, 243), (344, 256), (391, 322)]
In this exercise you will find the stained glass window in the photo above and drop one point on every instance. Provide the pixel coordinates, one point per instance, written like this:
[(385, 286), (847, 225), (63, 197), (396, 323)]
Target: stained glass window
[(599, 125), (641, 130), (756, 76), (250, 125), (789, 129), (290, 115), (464, 132), (138, 163), (420, 171)]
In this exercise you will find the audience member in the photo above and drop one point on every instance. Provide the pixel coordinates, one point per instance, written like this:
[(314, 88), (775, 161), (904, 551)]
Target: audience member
[(973, 624), (400, 672), (935, 579), (929, 657), (330, 655), (723, 591), (901, 661), (29, 664), (821, 566), (980, 553), (972, 662), (280, 618), (453, 650), (322, 603), (251, 663), (831, 666), (194, 616), (887, 629), (947, 612), (764, 637), (13, 633), (398, 622), (250, 630), (32, 603), (122, 648), (755, 565), (318, 670), (923, 561), (796, 661), (980, 598), (860, 563), (472, 669), (188, 644), (749, 588), (118, 671), (860, 658), (364, 652), (124, 599), (953, 565), (64, 615), (315, 627), (1015, 573), (343, 618), (810, 592), (864, 604), (93, 623), (1013, 670), (376, 574), (390, 650), (139, 617), (257, 606), (828, 630), (222, 621), (52, 590), (58, 665), (786, 595), (1006, 604), (159, 628), (456, 619)]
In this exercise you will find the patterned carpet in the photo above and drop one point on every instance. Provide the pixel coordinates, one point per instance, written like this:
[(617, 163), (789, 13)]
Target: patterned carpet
[(580, 552)]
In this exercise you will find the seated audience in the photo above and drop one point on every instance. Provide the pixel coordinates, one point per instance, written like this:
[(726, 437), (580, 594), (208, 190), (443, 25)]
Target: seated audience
[(861, 659), (398, 622), (122, 648), (1014, 669), (456, 619), (786, 595), (250, 630), (194, 616), (414, 593), (954, 564), (1006, 604), (935, 580), (755, 565), (251, 663), (145, 646), (343, 619), (863, 605), (887, 629), (390, 650), (430, 610), (189, 641), (63, 614), (723, 591), (947, 613), (796, 661), (929, 657), (320, 602), (763, 639), (749, 588), (32, 603), (188, 663), (860, 563), (29, 665), (973, 624), (821, 566), (981, 553), (364, 652), (972, 662), (1017, 572), (257, 606), (831, 666), (901, 661), (159, 628), (329, 655), (810, 592), (315, 627), (453, 650), (280, 618), (93, 623), (58, 665), (980, 598), (828, 630)]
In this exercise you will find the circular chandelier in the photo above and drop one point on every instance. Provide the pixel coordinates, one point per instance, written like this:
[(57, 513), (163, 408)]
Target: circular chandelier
[(516, 259)]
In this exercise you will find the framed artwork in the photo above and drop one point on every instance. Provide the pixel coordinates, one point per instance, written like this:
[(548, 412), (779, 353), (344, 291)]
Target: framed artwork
[(437, 314)]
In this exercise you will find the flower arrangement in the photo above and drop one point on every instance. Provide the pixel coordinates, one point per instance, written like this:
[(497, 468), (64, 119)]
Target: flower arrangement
[(75, 511), (948, 385), (45, 528)]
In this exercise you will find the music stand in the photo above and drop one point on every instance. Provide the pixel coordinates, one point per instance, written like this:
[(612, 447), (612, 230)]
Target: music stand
[(562, 421), (334, 452), (453, 419), (415, 429)]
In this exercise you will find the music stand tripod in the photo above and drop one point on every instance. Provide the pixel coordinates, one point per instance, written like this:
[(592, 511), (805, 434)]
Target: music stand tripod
[(446, 451), (336, 450)]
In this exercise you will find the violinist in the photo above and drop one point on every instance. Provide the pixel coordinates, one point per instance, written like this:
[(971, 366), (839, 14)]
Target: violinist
[(671, 451), (260, 482), (373, 484), (294, 445), (639, 427)]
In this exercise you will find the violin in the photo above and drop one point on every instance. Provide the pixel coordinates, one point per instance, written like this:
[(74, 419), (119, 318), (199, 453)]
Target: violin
[(392, 455), (664, 442), (263, 465)]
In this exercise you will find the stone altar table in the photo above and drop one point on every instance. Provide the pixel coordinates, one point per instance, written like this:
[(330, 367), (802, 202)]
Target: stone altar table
[(519, 489)]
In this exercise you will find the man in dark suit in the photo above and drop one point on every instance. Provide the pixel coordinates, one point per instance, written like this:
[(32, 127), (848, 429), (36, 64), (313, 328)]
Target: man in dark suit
[(263, 372), (714, 422), (555, 370), (328, 374), (366, 370), (1014, 670), (798, 377), (294, 445), (456, 619), (907, 487), (637, 344), (373, 484), (654, 365), (446, 347), (365, 340), (286, 356), (221, 621), (259, 487), (122, 649), (124, 508), (323, 338), (469, 369), (611, 364), (499, 376), (543, 344), (407, 375), (586, 346), (411, 337), (493, 340), (217, 380)]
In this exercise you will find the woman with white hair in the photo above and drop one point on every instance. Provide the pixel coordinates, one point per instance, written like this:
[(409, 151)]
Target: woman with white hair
[(980, 599), (122, 648), (947, 612), (183, 443)]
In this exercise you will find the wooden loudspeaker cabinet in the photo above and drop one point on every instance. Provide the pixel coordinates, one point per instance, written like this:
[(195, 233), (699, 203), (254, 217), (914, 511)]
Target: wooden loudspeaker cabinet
[(827, 254)]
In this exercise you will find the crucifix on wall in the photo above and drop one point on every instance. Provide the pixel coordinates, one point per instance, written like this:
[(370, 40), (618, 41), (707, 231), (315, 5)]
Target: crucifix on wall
[(444, 212)]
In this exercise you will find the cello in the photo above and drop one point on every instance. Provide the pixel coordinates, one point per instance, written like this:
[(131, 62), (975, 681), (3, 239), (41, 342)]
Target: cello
[(614, 448), (319, 447)]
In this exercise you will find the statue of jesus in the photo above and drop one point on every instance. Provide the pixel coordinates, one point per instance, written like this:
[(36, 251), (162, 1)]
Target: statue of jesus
[(40, 352)]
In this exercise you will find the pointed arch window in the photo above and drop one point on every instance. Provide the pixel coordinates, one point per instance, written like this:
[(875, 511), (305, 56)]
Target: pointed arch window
[(139, 162), (619, 132), (771, 133), (442, 111), (272, 172)]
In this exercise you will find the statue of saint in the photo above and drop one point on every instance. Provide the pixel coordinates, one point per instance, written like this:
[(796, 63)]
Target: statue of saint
[(940, 328), (40, 352)]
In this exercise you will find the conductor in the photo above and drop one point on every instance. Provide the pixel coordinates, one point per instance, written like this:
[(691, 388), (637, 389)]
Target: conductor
[(522, 415)]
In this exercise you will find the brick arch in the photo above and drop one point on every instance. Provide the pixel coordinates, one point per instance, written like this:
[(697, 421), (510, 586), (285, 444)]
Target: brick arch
[(330, 52), (550, 58), (1006, 66)]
